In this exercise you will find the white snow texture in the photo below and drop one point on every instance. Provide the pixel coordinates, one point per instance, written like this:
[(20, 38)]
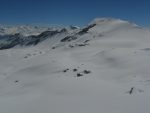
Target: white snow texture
[(104, 70)]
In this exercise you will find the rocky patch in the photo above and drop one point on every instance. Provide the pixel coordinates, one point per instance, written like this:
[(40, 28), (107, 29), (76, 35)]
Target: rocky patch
[(78, 72), (68, 38)]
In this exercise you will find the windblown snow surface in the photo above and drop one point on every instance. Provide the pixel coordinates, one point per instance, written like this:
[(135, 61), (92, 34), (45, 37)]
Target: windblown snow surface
[(105, 70)]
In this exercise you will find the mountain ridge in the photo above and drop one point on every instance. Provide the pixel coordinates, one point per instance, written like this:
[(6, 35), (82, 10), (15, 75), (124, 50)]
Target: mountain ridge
[(33, 35)]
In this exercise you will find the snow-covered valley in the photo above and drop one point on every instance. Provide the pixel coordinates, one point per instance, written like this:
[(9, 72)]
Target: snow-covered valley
[(102, 68)]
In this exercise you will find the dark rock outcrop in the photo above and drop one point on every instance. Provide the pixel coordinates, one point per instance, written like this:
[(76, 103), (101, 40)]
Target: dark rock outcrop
[(86, 29), (68, 38)]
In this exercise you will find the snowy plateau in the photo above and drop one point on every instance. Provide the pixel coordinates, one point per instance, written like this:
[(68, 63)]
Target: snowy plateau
[(103, 67)]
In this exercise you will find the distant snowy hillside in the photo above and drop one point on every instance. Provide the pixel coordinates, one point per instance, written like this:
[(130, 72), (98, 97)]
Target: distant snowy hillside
[(24, 30), (100, 68)]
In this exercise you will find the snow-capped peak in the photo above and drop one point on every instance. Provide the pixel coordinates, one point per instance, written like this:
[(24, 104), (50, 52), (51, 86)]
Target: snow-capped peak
[(105, 25), (101, 21), (104, 20)]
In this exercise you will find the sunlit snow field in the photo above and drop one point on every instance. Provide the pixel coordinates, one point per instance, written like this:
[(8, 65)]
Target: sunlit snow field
[(109, 73)]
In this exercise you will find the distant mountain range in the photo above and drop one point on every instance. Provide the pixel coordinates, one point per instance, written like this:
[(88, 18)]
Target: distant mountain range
[(11, 36)]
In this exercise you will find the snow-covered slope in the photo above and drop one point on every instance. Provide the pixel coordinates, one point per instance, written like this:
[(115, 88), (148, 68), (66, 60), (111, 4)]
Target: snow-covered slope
[(102, 68)]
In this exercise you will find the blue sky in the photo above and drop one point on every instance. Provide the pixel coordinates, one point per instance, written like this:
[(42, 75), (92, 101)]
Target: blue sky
[(72, 12)]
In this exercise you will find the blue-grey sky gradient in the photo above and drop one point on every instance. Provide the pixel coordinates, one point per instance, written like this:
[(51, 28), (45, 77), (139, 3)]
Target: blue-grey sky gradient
[(72, 12)]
